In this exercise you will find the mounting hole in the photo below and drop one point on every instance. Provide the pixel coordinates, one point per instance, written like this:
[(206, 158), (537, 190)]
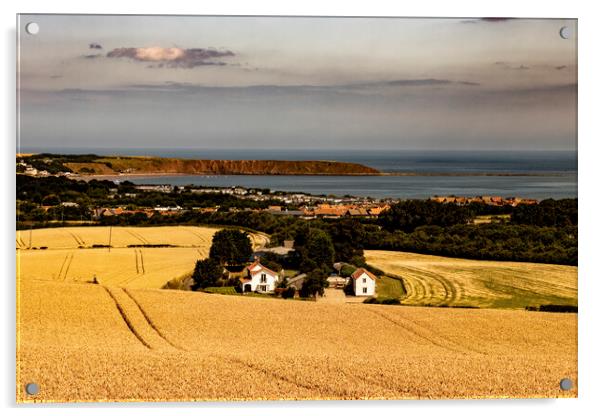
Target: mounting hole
[(566, 384), (565, 32), (32, 28), (32, 389)]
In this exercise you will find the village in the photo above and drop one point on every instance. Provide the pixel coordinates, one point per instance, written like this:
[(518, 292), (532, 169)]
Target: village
[(300, 205)]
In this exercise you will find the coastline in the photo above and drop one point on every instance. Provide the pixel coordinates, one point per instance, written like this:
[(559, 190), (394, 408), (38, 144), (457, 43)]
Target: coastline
[(89, 177)]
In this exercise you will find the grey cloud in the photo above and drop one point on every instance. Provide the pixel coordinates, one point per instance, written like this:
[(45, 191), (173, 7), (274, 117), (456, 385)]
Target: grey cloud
[(92, 56), (506, 65), (419, 82), (158, 57), (95, 45)]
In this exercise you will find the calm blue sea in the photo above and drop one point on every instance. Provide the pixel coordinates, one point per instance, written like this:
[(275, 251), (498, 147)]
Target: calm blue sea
[(547, 174)]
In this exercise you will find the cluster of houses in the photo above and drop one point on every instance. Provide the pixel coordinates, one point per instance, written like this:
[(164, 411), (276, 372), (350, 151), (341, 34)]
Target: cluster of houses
[(257, 278), (320, 211), (488, 200), (366, 210)]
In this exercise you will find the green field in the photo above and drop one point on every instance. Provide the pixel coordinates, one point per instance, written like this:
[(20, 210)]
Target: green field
[(225, 290), (444, 281), (389, 287)]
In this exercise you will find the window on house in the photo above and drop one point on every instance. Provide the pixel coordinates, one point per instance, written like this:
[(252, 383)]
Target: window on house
[(264, 278), (364, 280), (365, 290)]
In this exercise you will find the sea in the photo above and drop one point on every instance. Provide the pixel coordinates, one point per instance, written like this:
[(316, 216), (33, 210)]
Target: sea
[(419, 173)]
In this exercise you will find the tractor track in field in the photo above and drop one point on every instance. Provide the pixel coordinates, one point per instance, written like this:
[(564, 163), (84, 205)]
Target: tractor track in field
[(78, 240), (138, 322), (426, 334), (450, 290), (139, 259), (203, 239), (65, 265), (150, 322), (138, 237)]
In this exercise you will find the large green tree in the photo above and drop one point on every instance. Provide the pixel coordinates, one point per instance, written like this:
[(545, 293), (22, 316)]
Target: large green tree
[(207, 273), (314, 284), (231, 247), (315, 249)]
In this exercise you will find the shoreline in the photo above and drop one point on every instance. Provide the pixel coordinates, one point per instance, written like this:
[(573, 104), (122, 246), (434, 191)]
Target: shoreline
[(124, 176)]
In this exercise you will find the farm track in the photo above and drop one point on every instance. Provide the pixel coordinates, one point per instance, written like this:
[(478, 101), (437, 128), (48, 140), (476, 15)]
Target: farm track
[(150, 322), (138, 237), (426, 334), (138, 321), (203, 239), (139, 261), (65, 265), (275, 374), (20, 242), (78, 240), (126, 318)]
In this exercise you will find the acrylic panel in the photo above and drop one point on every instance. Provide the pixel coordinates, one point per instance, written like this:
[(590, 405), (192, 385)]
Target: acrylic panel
[(225, 208)]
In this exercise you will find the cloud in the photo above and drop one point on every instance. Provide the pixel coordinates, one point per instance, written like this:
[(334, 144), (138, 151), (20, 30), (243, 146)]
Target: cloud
[(429, 82), (159, 57), (92, 56), (419, 82), (506, 65), (560, 67), (95, 45)]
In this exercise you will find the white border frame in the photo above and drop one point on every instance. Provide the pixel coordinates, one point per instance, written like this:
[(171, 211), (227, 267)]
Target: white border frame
[(590, 197)]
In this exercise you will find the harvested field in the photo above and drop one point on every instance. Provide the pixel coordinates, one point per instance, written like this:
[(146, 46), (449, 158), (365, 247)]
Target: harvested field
[(85, 237), (71, 258), (444, 281), (131, 267), (85, 342)]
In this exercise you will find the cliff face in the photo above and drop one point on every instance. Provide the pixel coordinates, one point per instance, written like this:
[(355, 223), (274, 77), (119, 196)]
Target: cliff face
[(143, 165)]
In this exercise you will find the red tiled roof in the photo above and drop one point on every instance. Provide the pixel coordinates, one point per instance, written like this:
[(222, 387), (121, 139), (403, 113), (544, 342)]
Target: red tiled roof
[(358, 272), (262, 268)]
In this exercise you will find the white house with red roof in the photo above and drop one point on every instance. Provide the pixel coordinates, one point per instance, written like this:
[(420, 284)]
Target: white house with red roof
[(364, 282), (259, 278)]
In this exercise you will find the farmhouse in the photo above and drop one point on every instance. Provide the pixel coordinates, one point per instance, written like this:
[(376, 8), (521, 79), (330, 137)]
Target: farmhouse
[(258, 278), (364, 282)]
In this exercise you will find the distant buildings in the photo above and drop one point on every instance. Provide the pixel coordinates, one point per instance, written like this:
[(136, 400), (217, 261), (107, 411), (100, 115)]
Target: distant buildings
[(487, 200)]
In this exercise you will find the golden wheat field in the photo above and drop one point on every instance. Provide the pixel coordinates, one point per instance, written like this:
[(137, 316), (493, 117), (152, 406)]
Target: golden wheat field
[(84, 342), (434, 280), (70, 257), (126, 340)]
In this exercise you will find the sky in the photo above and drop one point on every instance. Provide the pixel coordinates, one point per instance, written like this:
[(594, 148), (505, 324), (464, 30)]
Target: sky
[(290, 83)]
